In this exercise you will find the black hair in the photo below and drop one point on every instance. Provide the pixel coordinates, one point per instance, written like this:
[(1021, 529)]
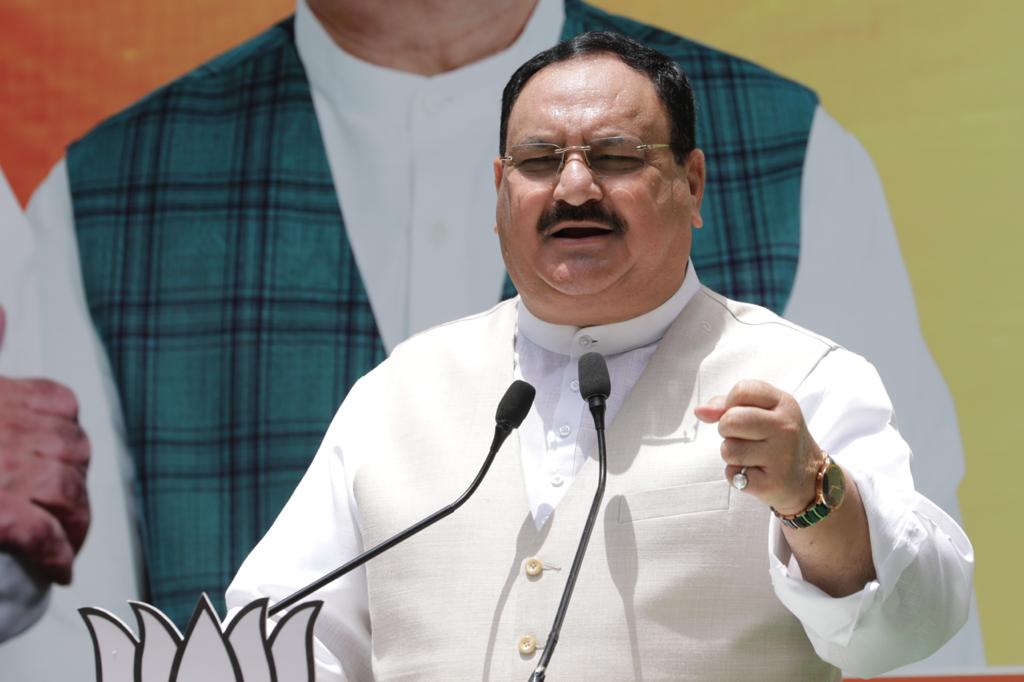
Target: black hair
[(668, 79)]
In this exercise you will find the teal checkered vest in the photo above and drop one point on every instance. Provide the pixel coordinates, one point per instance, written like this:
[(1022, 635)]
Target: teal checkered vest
[(221, 281)]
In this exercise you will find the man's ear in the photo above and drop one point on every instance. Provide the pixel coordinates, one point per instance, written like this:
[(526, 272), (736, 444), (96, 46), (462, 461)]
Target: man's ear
[(499, 172), (696, 174), (499, 175)]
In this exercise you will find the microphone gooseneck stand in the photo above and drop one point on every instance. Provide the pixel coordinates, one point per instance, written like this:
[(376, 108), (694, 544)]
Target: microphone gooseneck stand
[(595, 387), (512, 409)]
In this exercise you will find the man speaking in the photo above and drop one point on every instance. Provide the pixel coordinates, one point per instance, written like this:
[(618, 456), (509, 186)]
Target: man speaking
[(759, 521)]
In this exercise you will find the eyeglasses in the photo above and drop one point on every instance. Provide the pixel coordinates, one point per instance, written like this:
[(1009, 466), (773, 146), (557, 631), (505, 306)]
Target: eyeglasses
[(606, 156)]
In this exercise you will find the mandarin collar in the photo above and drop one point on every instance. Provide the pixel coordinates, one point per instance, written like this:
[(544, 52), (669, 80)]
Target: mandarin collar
[(609, 339), (368, 88)]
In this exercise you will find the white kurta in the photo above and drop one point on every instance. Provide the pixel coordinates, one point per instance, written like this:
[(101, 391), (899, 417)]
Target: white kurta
[(917, 548)]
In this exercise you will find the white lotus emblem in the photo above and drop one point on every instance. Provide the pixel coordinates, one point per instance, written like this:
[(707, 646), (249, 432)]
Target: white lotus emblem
[(239, 651)]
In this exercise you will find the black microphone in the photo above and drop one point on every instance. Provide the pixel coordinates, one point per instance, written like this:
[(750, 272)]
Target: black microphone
[(512, 410), (595, 387)]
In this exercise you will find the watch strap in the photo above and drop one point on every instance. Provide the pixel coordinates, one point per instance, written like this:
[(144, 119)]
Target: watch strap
[(817, 510)]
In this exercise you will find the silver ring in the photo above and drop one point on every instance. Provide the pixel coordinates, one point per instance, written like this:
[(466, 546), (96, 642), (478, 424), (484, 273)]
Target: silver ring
[(740, 480)]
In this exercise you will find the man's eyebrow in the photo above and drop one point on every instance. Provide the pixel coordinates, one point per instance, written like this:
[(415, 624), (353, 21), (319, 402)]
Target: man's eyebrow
[(534, 139), (611, 134), (538, 139)]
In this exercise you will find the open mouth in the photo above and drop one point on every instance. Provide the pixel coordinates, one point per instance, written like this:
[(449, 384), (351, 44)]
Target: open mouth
[(581, 232)]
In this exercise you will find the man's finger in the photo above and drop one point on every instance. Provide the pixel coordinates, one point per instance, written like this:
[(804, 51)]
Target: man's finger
[(34, 535), (50, 397), (749, 423), (26, 433), (711, 411), (753, 393), (3, 325), (742, 453), (60, 490), (38, 395)]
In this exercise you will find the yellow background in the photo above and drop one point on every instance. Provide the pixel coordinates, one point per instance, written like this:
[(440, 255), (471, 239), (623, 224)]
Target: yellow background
[(935, 92)]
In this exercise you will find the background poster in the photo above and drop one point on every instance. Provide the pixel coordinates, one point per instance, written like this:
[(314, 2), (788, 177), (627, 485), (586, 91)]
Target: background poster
[(932, 90)]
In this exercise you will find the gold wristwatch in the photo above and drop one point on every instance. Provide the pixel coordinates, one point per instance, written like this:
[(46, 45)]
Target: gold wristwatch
[(829, 492)]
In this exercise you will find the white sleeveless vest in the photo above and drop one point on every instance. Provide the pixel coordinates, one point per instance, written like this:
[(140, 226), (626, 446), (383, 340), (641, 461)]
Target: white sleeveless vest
[(675, 585)]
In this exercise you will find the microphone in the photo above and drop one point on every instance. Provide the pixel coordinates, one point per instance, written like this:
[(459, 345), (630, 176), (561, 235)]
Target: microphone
[(512, 410), (595, 387)]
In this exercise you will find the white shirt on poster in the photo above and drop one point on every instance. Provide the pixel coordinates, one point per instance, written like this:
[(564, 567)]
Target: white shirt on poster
[(23, 597)]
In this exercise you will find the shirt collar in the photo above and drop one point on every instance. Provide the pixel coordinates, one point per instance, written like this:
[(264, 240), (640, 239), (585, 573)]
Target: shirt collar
[(369, 88), (609, 339)]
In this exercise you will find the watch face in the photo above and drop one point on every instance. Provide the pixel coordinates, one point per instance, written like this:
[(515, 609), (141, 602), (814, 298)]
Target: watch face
[(833, 487)]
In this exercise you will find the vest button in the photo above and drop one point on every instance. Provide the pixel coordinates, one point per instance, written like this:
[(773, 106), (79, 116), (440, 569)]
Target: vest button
[(527, 644), (534, 567)]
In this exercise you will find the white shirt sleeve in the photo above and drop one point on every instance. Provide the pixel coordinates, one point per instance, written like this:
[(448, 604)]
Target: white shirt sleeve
[(22, 597), (318, 531), (851, 285), (917, 548), (53, 325)]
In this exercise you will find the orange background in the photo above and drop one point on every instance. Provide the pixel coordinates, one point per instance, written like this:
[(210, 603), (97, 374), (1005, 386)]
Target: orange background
[(65, 65)]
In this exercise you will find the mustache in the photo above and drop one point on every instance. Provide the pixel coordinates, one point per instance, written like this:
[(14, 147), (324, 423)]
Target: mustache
[(590, 212)]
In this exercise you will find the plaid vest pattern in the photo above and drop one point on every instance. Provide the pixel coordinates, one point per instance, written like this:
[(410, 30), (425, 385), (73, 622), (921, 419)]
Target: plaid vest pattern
[(220, 279)]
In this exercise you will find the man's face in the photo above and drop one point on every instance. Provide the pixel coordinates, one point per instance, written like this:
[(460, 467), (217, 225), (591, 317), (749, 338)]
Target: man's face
[(584, 248)]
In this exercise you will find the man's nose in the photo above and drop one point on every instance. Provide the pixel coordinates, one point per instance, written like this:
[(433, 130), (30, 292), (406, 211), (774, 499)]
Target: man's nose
[(576, 183)]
